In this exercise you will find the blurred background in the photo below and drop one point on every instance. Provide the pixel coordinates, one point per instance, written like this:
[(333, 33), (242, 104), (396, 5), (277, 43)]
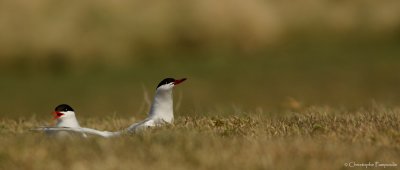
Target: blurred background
[(104, 57)]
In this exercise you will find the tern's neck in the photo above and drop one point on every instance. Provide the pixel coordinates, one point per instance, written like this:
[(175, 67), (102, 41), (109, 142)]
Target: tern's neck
[(70, 121), (162, 106)]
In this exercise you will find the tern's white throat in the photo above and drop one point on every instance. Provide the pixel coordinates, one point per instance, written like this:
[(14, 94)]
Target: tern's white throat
[(67, 119), (162, 106)]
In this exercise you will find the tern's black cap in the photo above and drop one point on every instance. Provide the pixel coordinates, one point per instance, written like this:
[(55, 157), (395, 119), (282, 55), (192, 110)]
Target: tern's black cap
[(63, 108), (166, 81)]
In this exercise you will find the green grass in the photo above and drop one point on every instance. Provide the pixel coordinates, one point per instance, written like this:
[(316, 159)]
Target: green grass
[(321, 74), (314, 138)]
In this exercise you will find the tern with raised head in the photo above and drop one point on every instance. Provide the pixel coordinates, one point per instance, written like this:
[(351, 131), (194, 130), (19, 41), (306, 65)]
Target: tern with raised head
[(161, 110)]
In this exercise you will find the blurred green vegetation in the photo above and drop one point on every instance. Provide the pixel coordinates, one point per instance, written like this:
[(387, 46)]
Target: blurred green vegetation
[(239, 56)]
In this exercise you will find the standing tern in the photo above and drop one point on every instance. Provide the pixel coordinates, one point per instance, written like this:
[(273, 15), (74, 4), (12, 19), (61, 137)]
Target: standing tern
[(161, 112)]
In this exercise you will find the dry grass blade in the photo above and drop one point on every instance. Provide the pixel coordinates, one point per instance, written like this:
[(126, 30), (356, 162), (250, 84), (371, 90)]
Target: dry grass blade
[(317, 138)]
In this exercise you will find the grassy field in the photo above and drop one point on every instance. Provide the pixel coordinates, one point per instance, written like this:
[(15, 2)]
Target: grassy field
[(314, 138)]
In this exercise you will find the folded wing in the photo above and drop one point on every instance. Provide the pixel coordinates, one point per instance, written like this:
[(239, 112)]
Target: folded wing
[(80, 130)]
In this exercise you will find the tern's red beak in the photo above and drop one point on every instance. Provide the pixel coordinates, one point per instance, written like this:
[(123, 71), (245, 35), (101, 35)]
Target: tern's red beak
[(57, 115), (176, 82)]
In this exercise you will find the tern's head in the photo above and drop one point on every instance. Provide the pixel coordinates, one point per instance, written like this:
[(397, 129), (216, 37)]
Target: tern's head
[(169, 83), (63, 111)]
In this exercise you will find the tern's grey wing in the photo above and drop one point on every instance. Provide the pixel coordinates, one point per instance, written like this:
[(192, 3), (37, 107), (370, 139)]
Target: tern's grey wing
[(105, 134), (137, 127)]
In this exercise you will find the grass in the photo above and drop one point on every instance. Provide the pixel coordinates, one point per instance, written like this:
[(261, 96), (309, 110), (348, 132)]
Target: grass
[(313, 138)]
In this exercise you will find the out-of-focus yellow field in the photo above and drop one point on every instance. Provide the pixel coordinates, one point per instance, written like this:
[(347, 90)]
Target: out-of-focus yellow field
[(307, 84), (45, 33)]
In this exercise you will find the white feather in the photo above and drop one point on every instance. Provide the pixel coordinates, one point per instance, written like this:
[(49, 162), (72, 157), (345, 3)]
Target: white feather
[(161, 112)]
